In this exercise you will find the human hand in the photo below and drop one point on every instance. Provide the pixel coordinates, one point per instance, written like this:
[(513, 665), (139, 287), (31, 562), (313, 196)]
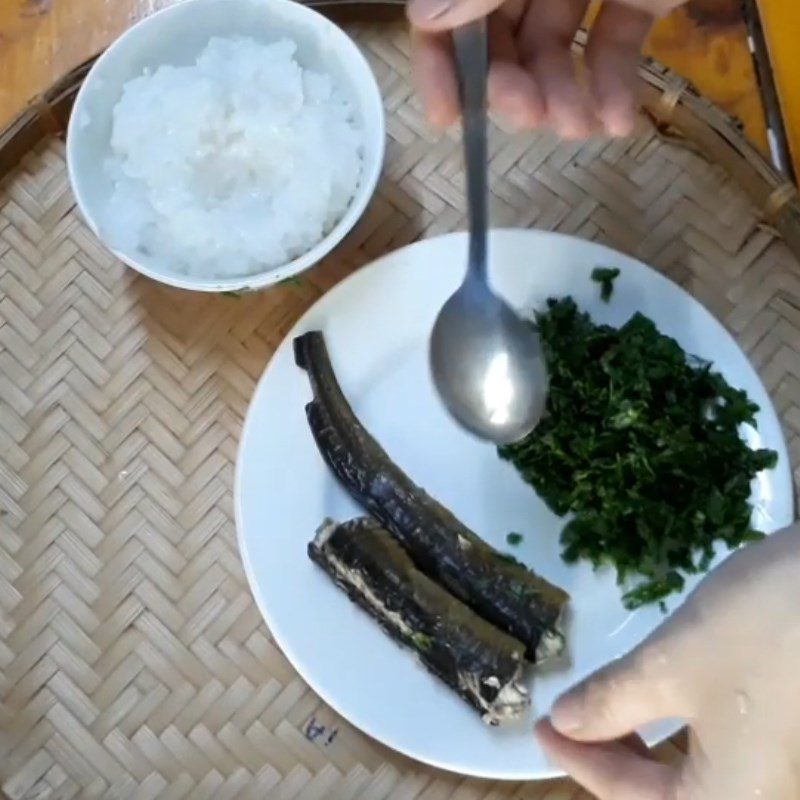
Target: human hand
[(532, 77), (729, 663)]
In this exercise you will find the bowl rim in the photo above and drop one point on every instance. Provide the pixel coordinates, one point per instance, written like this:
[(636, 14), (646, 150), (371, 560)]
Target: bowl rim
[(258, 280)]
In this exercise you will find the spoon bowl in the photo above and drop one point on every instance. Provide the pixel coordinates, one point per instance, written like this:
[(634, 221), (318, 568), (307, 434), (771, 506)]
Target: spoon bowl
[(487, 363), (488, 366)]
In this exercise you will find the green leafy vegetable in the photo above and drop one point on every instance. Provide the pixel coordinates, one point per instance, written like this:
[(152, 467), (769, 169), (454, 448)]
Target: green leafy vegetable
[(605, 276), (514, 539), (421, 641), (641, 444), (511, 559)]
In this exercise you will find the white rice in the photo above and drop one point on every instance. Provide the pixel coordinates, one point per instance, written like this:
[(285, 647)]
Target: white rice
[(236, 164)]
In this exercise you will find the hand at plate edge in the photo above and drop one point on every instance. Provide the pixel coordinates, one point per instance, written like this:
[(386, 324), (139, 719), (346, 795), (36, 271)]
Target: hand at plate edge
[(726, 663)]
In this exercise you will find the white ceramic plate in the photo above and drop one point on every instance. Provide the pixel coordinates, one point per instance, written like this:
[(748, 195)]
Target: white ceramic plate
[(376, 324)]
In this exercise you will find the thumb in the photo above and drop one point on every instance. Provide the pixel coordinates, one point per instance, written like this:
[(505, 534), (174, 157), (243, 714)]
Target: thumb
[(646, 685), (611, 770), (443, 15)]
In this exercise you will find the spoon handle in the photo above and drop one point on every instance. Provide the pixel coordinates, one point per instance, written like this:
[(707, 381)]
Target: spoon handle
[(472, 61)]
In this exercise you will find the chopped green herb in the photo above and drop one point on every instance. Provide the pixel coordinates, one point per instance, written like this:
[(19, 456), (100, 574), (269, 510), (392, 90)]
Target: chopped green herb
[(421, 641), (293, 280), (514, 539), (231, 294), (511, 559), (641, 444), (605, 276)]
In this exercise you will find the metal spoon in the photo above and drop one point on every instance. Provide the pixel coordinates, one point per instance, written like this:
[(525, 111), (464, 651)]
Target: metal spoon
[(487, 363)]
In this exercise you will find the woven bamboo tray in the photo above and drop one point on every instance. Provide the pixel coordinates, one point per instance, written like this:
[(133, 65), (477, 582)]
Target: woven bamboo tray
[(133, 662)]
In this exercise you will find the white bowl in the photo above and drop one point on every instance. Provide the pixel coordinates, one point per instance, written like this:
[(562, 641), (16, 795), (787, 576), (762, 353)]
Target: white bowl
[(176, 36)]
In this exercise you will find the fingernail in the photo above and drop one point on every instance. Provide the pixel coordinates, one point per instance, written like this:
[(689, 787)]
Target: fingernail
[(618, 127), (520, 116), (543, 731), (542, 726), (567, 715), (570, 128), (513, 122), (616, 114), (432, 9)]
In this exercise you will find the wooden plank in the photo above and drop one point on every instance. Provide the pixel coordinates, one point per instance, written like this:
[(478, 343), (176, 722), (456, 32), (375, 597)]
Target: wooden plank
[(781, 22), (711, 51)]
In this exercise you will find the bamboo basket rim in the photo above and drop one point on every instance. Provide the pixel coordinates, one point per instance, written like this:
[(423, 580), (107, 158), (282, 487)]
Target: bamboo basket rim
[(671, 106)]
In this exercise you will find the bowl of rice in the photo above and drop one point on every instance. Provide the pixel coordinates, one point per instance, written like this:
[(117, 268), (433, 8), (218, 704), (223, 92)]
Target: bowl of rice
[(226, 145)]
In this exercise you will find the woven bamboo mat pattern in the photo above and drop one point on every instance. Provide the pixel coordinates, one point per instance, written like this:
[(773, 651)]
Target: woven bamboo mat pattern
[(133, 662)]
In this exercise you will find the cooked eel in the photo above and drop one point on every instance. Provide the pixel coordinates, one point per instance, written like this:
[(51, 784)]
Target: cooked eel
[(482, 664), (495, 586)]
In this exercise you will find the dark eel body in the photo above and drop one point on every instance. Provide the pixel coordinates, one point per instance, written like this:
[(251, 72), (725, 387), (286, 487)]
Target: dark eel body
[(502, 591), (478, 661)]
